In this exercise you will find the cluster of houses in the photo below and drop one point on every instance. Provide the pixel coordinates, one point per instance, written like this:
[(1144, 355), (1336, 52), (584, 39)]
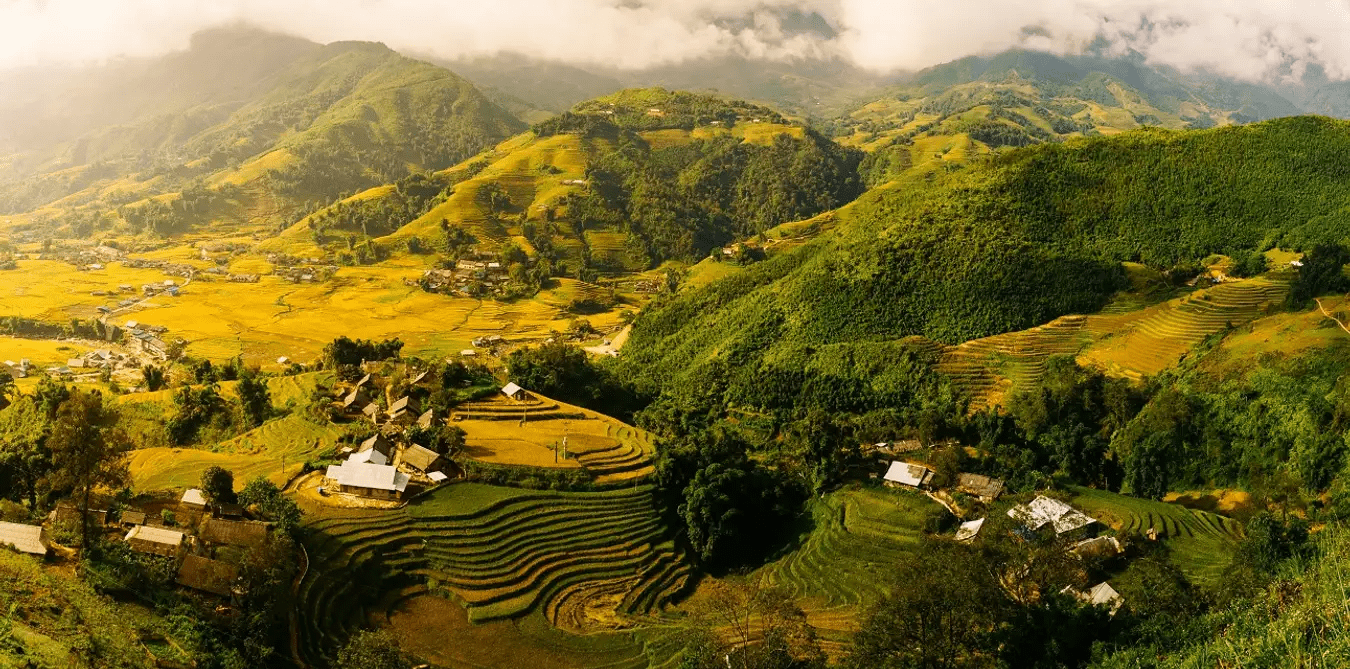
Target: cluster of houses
[(147, 339), (206, 536), (380, 468), (305, 274), (469, 277), (169, 268), (1042, 517), (95, 258)]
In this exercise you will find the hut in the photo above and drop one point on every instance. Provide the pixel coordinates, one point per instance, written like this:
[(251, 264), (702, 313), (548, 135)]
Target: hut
[(155, 540), (207, 575), (422, 459), (31, 539), (515, 392)]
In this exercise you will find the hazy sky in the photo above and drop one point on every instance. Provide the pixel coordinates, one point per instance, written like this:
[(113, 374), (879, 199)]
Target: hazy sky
[(1251, 39)]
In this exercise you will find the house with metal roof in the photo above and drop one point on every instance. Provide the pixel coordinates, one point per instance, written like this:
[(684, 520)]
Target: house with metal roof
[(1046, 514), (907, 474), (31, 539), (193, 499), (369, 480), (968, 530), (154, 540), (984, 487), (420, 458), (514, 391)]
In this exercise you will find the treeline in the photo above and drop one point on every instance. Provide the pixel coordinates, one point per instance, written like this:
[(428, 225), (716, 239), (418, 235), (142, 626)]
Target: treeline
[(680, 202), (653, 109)]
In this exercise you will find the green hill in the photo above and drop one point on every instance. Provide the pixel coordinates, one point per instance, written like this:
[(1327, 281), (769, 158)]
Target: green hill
[(1007, 244), (334, 118)]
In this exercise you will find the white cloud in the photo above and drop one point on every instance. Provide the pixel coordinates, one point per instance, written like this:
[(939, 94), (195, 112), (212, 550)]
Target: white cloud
[(1243, 38)]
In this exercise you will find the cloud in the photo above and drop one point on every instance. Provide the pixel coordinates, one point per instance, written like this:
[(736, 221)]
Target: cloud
[(1251, 39)]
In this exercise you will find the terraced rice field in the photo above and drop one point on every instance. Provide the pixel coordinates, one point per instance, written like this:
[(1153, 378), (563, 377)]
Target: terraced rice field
[(582, 560), (1125, 343), (845, 561), (278, 450), (1201, 543), (530, 433)]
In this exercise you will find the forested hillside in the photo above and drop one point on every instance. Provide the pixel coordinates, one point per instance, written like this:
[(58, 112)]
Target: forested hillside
[(336, 118), (1010, 243)]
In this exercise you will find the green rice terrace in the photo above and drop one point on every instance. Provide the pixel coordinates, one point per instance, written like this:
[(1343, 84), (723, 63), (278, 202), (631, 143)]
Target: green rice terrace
[(582, 560), (1201, 543)]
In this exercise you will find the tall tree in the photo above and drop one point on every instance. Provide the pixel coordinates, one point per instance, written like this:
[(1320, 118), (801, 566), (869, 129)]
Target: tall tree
[(218, 485), (255, 398), (87, 450), (23, 446)]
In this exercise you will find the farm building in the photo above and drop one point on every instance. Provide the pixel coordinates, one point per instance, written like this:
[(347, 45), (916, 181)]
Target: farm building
[(421, 376), (363, 382), (404, 408), (907, 474), (133, 518), (515, 392), (468, 353), (235, 511), (30, 539), (207, 575), (1098, 547), (1101, 594), (421, 459), (969, 530), (372, 411), (155, 540), (154, 346), (437, 476), (986, 488), (247, 533), (380, 481), (1047, 514), (354, 401), (378, 443), (369, 456), (67, 512), (193, 499), (427, 419)]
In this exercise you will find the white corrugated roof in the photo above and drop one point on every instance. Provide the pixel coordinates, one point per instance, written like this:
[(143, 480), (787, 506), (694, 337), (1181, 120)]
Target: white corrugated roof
[(906, 473), (366, 475), (437, 476), (194, 496), (157, 535), (511, 389), (369, 455), (969, 530), (1044, 511), (24, 538)]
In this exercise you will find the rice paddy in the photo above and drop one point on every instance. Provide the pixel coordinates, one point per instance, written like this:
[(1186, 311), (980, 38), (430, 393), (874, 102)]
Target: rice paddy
[(531, 433), (582, 561)]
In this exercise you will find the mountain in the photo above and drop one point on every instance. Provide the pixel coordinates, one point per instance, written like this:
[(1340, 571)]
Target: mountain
[(1006, 244), (303, 124), (618, 183)]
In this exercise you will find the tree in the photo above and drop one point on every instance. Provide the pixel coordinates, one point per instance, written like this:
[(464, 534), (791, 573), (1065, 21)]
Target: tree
[(87, 450), (767, 629), (23, 447), (1321, 273), (255, 398), (154, 377), (218, 485), (943, 610), (7, 387), (371, 650), (269, 501)]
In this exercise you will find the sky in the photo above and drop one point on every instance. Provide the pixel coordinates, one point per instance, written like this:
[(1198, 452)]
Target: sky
[(1246, 39)]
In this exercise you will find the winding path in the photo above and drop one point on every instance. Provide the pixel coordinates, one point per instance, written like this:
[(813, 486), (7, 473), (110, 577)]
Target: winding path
[(1328, 315)]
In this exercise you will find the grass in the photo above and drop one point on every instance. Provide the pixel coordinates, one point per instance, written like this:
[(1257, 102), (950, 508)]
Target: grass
[(576, 560), (502, 431), (1201, 543)]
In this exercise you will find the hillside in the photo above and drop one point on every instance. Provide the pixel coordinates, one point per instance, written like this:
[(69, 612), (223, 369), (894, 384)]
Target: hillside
[(334, 118), (619, 183), (1008, 244)]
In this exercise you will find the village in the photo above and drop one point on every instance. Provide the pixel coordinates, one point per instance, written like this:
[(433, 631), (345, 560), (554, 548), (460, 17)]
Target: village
[(1044, 518)]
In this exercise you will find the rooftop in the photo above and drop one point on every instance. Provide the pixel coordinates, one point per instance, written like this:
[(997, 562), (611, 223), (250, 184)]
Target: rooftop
[(234, 532), (365, 475), (1044, 511), (194, 496), (207, 575), (24, 538), (157, 535), (908, 473), (419, 457)]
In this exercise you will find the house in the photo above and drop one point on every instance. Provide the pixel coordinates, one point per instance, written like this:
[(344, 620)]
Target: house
[(246, 533), (365, 380), (370, 480), (417, 380), (207, 575), (986, 488), (468, 353), (370, 456), (67, 512), (31, 539), (354, 400), (515, 392), (1098, 547), (907, 474), (1045, 514), (283, 360), (378, 443), (193, 500), (372, 411), (420, 458), (75, 363), (1101, 594), (969, 530), (437, 477), (132, 518), (155, 540), (229, 511), (154, 346), (426, 420), (404, 407)]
